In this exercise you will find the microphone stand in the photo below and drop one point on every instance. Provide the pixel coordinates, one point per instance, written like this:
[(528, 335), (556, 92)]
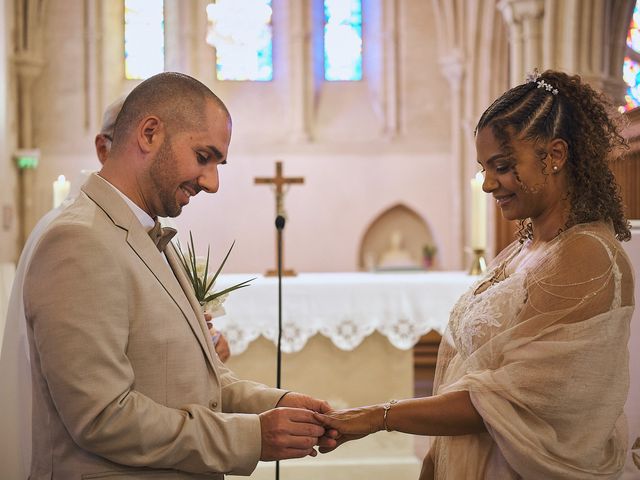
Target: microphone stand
[(279, 227)]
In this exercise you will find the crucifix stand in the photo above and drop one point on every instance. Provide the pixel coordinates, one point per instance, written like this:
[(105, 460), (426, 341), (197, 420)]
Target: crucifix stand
[(279, 181)]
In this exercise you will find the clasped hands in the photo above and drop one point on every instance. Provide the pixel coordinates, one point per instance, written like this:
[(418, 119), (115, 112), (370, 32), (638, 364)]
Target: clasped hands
[(300, 422), (291, 430)]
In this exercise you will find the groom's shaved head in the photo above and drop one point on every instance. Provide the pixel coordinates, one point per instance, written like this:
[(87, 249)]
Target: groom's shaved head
[(177, 99)]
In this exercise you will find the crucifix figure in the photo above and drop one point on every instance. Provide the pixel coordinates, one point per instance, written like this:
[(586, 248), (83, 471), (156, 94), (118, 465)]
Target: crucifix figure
[(279, 182)]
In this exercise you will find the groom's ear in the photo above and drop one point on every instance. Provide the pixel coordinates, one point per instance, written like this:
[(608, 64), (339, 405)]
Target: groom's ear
[(150, 134)]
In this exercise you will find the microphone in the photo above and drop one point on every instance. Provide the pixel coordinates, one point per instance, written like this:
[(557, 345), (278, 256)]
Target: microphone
[(279, 227)]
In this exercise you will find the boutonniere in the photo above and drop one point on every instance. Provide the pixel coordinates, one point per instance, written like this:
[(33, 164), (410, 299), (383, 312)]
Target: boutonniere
[(203, 281)]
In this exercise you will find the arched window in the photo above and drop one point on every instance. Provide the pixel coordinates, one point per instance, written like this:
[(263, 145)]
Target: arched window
[(343, 40), (143, 38), (631, 66), (241, 32)]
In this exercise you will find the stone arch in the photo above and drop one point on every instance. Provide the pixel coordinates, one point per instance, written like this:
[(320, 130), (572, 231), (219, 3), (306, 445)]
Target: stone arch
[(414, 230)]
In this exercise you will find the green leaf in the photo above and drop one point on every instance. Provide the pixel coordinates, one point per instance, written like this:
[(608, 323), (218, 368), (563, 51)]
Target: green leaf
[(215, 295), (223, 262), (202, 285)]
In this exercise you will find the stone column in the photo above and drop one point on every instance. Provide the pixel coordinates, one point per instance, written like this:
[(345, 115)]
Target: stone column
[(28, 68), (389, 45), (453, 70), (525, 22), (301, 92)]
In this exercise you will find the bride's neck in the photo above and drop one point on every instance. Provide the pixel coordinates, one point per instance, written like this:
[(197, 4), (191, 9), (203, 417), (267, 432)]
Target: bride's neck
[(547, 226)]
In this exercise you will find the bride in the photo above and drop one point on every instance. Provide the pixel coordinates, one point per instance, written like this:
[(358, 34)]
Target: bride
[(532, 371)]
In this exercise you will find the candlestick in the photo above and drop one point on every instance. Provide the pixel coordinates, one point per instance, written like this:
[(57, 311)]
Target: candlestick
[(478, 214), (61, 189), (478, 264)]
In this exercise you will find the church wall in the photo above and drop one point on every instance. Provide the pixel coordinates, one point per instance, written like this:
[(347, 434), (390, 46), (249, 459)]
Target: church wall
[(327, 216), (424, 92), (371, 144), (62, 129)]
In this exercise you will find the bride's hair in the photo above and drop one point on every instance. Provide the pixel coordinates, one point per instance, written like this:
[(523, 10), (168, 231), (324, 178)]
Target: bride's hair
[(556, 105)]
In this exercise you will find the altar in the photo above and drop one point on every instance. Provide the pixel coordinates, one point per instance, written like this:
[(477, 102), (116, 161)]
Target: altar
[(347, 338)]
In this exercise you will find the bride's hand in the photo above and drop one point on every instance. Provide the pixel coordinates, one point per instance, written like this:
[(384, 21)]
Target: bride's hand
[(352, 423)]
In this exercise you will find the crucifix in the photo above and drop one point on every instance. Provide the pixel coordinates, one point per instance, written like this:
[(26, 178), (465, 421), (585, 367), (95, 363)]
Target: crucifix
[(279, 182)]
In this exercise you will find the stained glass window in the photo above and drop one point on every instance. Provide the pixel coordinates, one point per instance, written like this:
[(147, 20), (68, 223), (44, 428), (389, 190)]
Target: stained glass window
[(241, 32), (631, 66), (143, 38), (343, 40)]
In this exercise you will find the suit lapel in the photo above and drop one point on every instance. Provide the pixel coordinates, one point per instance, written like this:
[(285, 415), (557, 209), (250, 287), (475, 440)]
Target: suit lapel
[(140, 242), (187, 288)]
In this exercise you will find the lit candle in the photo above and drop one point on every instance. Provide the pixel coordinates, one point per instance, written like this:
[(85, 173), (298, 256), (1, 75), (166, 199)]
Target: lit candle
[(60, 190), (478, 214)]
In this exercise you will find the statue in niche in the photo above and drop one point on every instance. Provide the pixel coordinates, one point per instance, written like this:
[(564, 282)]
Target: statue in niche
[(396, 256)]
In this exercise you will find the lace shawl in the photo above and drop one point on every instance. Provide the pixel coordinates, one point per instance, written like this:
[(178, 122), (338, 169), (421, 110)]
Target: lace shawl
[(544, 356)]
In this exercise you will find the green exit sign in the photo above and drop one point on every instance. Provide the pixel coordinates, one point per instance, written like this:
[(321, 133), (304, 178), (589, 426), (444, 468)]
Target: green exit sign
[(27, 159)]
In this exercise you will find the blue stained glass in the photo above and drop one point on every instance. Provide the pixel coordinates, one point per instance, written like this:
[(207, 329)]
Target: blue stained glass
[(143, 38), (241, 32), (631, 75), (343, 40), (633, 34)]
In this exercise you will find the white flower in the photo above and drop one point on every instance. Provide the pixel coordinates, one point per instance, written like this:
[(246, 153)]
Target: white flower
[(203, 281), (201, 264), (214, 307)]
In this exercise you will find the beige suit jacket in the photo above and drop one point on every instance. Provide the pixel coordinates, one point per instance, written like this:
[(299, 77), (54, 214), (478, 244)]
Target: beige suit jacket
[(126, 382)]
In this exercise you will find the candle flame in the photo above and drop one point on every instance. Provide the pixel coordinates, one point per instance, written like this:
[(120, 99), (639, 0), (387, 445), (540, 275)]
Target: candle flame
[(479, 177), (61, 179)]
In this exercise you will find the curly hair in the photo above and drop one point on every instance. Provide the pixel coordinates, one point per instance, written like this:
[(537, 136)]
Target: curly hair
[(578, 115)]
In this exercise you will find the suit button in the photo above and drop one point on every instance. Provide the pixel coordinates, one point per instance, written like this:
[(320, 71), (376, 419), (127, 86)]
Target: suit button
[(213, 405)]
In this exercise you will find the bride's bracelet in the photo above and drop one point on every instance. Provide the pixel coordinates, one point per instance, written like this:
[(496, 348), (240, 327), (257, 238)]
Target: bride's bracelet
[(387, 407)]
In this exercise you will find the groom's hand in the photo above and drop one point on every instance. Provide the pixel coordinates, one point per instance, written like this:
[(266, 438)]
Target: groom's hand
[(220, 343), (222, 348), (288, 433), (300, 400)]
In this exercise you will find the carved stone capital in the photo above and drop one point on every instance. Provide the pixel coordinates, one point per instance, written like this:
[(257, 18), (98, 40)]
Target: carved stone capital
[(452, 67), (520, 11)]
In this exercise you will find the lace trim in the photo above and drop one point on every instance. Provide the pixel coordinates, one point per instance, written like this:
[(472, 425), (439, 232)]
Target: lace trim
[(498, 274), (475, 314)]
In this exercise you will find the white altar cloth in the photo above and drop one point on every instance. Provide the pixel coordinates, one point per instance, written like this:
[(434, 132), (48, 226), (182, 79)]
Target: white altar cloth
[(345, 307)]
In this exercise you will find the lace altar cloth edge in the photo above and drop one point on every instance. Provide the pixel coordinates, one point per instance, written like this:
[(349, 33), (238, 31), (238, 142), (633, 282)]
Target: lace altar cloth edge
[(345, 307)]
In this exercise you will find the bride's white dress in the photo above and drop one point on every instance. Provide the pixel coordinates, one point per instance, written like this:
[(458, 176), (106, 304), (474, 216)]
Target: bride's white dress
[(543, 353)]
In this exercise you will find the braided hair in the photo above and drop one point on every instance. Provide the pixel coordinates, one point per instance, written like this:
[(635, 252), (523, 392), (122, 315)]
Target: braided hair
[(578, 115)]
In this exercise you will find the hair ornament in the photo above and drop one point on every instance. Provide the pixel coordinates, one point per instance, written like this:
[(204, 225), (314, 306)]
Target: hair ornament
[(533, 78)]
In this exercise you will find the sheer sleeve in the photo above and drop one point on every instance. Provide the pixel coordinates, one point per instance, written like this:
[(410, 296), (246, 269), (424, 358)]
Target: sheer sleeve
[(551, 382)]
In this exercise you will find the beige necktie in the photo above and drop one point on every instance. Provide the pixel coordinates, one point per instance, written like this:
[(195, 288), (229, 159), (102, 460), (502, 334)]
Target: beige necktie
[(161, 236)]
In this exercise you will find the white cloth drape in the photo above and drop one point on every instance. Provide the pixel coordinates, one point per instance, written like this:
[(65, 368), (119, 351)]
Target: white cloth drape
[(345, 307), (7, 274), (632, 408), (15, 369)]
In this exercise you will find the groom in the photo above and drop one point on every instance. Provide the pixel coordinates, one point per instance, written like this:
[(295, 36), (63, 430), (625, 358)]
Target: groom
[(126, 381)]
